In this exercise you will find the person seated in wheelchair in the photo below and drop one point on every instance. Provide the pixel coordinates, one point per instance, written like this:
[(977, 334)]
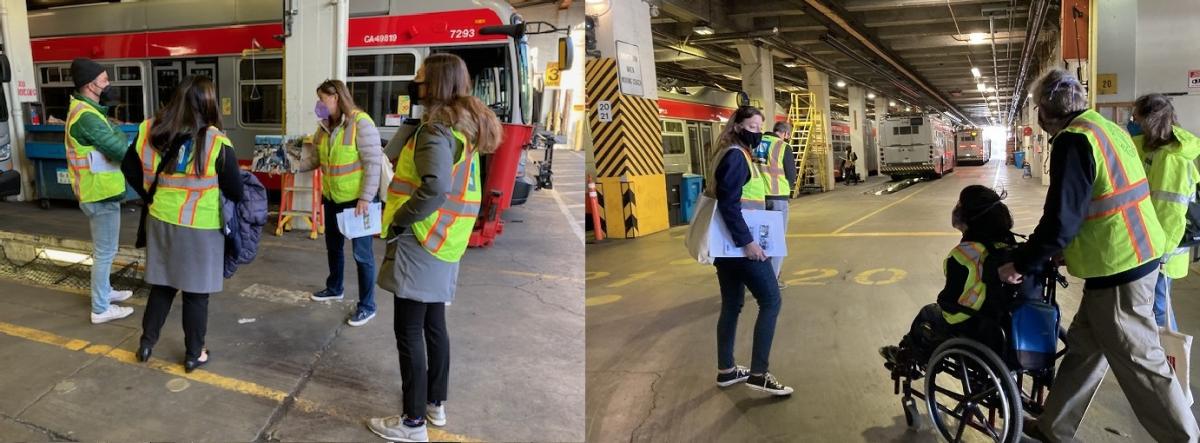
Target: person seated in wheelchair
[(973, 297)]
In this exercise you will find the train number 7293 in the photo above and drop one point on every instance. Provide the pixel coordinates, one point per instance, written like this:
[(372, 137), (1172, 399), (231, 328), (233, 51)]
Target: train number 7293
[(462, 33)]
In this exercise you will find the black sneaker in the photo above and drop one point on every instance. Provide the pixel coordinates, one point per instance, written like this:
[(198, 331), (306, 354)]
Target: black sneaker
[(326, 295), (767, 383), (738, 375)]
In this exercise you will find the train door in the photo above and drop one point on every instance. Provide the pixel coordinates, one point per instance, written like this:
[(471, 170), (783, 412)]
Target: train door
[(169, 73), (700, 135)]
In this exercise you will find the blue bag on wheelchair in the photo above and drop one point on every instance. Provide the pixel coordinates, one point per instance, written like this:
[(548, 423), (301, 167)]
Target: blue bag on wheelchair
[(1035, 334)]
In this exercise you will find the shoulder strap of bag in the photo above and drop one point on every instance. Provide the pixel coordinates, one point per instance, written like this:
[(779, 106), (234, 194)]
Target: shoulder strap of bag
[(710, 186), (140, 241)]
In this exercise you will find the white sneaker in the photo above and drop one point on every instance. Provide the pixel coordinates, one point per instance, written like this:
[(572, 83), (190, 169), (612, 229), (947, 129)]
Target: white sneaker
[(435, 414), (116, 296), (393, 429), (114, 312)]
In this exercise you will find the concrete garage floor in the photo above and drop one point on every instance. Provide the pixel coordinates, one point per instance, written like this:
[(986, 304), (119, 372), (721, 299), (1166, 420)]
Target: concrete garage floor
[(860, 268), (288, 369)]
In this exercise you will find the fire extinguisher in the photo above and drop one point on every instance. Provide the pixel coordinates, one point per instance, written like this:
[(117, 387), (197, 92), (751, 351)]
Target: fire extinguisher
[(34, 118)]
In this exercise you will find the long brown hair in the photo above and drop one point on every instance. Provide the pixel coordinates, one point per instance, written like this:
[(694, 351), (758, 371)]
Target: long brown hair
[(191, 111), (1158, 120), (345, 100), (448, 101)]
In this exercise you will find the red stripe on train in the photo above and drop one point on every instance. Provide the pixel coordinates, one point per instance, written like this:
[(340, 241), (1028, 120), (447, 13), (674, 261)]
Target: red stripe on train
[(407, 30)]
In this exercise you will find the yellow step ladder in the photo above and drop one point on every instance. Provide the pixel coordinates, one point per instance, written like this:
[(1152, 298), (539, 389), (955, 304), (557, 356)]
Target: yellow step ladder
[(808, 140)]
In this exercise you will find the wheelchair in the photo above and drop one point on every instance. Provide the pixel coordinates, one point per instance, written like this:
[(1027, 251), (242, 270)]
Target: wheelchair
[(975, 386)]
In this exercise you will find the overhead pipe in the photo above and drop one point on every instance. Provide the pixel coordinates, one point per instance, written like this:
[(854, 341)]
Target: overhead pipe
[(830, 14), (728, 37), (786, 47), (847, 51), (1031, 37)]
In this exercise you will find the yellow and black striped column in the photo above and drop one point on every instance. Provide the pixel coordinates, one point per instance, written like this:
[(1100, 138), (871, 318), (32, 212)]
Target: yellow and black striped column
[(628, 155)]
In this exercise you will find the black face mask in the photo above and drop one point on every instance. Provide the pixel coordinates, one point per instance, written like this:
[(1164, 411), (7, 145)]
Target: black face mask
[(109, 96), (414, 93), (750, 140)]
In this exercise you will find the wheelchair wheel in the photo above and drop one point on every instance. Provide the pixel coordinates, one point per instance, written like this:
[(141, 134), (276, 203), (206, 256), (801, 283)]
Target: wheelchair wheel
[(971, 395)]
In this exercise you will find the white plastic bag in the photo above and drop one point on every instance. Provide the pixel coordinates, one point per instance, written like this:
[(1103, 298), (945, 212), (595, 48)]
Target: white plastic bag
[(1178, 347)]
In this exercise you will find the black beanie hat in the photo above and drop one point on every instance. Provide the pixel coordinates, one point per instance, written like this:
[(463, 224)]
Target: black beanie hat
[(84, 70)]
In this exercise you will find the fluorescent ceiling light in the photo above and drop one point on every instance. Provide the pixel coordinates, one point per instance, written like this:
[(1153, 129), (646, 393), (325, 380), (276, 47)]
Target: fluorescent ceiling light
[(991, 89), (871, 95), (891, 103), (908, 109), (977, 38), (790, 64), (981, 87), (975, 72), (703, 30), (841, 84)]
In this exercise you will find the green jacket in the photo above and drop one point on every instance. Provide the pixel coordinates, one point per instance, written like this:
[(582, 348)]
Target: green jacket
[(106, 138), (1172, 174)]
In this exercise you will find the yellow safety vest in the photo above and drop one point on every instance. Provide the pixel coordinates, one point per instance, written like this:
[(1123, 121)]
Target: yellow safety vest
[(1173, 177), (341, 170), (184, 199), (772, 171), (89, 186), (446, 232), (754, 192), (1121, 230), (971, 255)]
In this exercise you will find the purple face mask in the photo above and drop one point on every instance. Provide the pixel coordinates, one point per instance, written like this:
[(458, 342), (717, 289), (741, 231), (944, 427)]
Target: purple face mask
[(321, 111)]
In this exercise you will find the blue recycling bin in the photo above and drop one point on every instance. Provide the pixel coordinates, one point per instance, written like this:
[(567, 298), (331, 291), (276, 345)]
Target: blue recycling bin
[(45, 147), (693, 185), (1019, 159)]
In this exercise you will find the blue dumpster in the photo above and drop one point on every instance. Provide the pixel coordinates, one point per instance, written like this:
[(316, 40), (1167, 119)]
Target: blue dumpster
[(1019, 159), (693, 185), (46, 148)]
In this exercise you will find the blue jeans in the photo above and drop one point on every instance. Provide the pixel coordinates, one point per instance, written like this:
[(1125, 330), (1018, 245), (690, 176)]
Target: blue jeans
[(1162, 290), (364, 257), (735, 275), (105, 221)]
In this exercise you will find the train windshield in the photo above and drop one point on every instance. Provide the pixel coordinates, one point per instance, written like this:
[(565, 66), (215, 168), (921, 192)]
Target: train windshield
[(379, 80)]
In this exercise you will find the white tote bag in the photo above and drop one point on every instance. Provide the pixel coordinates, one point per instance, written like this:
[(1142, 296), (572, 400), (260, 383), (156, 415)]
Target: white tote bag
[(1178, 347), (697, 235)]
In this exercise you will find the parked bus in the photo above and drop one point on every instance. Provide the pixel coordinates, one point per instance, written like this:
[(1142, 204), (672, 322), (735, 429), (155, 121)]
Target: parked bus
[(147, 48), (972, 147), (916, 145)]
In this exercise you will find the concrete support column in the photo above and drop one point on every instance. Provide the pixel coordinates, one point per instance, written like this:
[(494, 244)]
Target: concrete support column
[(14, 22), (758, 79), (626, 148), (309, 58), (858, 117), (818, 84)]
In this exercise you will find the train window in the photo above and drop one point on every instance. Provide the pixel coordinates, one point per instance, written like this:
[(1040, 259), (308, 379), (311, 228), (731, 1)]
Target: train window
[(379, 80), (382, 65), (260, 90), (916, 129), (674, 139), (125, 81), (905, 130)]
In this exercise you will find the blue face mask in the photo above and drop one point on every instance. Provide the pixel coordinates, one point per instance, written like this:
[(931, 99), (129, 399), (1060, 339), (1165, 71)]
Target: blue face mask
[(321, 111), (1133, 128)]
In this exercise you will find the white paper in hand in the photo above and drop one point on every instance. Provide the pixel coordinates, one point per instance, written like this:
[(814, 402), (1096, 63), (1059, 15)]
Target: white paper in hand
[(355, 226), (765, 226)]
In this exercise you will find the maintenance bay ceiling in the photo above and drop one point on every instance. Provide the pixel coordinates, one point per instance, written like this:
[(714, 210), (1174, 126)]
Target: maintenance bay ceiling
[(919, 53)]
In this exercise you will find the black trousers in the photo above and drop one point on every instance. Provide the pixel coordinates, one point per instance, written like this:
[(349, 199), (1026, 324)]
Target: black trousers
[(424, 349), (195, 318)]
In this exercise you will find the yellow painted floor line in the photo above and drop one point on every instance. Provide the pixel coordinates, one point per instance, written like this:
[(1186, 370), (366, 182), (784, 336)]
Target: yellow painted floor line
[(885, 207), (877, 234), (199, 375)]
